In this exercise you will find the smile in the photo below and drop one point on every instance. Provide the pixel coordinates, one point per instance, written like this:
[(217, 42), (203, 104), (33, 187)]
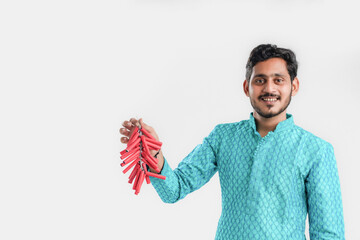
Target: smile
[(270, 99)]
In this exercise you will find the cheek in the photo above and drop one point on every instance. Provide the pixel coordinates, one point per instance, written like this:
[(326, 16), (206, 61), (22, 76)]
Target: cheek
[(254, 91), (252, 94), (284, 91)]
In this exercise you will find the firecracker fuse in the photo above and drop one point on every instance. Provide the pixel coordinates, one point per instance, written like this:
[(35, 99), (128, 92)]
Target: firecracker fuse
[(137, 155)]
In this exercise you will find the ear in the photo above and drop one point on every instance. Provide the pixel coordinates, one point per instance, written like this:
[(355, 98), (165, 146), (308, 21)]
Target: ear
[(295, 86), (246, 87)]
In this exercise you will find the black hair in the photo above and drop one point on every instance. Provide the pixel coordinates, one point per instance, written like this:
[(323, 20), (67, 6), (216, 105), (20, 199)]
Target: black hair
[(265, 51)]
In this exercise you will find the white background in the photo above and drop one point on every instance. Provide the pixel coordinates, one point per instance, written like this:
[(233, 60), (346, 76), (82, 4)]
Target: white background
[(72, 71)]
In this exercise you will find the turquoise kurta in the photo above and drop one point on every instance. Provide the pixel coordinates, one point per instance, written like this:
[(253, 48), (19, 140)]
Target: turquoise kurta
[(268, 184)]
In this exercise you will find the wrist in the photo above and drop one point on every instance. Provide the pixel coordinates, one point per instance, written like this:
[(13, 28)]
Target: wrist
[(156, 155)]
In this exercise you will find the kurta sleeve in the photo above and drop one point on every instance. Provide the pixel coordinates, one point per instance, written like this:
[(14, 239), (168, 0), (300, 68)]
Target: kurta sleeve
[(195, 170), (324, 199)]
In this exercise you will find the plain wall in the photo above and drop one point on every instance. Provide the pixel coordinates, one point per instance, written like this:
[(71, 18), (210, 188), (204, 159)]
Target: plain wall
[(72, 71)]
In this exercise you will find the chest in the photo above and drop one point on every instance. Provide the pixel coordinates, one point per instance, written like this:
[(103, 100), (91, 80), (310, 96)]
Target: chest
[(262, 162)]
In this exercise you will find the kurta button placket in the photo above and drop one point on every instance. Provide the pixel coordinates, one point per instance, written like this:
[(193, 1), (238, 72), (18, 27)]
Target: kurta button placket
[(255, 182)]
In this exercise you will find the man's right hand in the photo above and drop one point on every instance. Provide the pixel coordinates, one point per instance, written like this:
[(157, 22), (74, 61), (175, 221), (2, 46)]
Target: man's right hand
[(128, 131)]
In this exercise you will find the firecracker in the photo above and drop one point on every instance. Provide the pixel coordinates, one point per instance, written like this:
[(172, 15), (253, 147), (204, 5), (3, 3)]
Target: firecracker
[(137, 155)]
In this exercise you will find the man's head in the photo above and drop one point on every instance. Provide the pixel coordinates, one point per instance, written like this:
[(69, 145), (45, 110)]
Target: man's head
[(271, 79)]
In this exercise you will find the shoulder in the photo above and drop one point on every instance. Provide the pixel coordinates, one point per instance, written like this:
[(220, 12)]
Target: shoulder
[(311, 141), (226, 129)]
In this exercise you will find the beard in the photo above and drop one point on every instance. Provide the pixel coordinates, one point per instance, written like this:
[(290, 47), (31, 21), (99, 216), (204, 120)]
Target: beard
[(270, 114)]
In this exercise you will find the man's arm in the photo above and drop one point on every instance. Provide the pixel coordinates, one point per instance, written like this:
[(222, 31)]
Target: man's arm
[(195, 170), (324, 199)]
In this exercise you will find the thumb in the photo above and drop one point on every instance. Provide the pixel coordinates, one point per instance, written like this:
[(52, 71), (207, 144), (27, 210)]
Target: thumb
[(144, 125), (149, 129)]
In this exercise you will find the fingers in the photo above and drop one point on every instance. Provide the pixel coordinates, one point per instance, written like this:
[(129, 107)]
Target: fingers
[(124, 140), (125, 132), (128, 125), (134, 121), (129, 128)]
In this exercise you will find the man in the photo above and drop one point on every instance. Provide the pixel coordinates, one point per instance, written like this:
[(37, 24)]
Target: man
[(272, 172)]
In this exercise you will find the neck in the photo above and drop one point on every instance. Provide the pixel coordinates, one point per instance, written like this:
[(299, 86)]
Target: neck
[(265, 125)]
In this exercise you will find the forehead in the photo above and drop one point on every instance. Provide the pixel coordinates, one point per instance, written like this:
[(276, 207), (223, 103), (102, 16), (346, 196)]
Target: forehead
[(271, 67)]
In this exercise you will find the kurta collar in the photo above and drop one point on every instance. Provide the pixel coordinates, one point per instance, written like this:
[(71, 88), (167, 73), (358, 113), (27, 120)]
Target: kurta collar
[(281, 126)]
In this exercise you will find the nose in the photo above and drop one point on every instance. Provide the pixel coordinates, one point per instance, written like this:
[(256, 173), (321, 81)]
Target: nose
[(269, 86)]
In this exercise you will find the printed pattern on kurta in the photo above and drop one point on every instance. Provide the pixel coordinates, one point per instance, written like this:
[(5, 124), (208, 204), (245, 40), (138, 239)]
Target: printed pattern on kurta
[(268, 184)]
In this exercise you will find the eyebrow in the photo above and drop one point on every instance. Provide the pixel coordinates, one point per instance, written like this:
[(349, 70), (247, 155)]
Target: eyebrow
[(265, 76)]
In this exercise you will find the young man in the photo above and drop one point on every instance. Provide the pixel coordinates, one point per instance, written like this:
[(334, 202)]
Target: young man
[(272, 172)]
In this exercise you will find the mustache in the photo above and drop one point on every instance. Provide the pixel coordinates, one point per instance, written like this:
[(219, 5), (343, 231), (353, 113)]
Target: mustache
[(269, 95)]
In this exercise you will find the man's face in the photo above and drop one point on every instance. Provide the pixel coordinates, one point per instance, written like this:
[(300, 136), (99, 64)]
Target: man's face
[(270, 88)]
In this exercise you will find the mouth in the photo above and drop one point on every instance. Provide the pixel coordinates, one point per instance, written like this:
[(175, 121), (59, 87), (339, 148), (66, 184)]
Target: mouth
[(269, 100)]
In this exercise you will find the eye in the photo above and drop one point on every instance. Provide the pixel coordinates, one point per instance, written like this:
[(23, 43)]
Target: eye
[(279, 80), (259, 80)]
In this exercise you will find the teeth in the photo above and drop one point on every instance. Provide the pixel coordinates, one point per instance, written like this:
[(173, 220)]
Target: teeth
[(270, 99)]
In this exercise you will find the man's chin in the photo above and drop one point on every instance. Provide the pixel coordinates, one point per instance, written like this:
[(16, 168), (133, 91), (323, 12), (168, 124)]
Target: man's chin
[(268, 114)]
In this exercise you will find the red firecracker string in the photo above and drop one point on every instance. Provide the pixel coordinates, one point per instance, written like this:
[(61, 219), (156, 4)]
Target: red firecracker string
[(137, 155)]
